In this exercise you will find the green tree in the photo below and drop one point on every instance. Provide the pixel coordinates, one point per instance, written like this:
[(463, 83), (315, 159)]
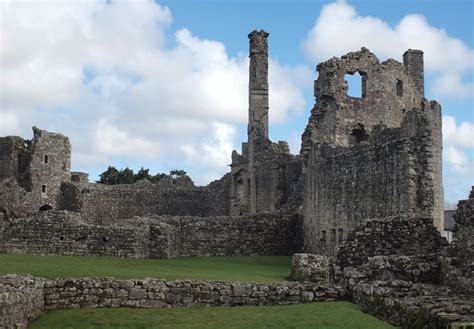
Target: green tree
[(142, 174), (110, 176), (126, 176), (157, 177)]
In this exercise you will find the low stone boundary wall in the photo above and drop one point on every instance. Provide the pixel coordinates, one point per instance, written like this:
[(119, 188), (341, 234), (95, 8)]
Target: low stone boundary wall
[(21, 300), (152, 293)]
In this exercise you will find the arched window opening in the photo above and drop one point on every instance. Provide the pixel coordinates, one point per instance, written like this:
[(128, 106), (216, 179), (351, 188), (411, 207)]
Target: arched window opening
[(358, 135), (45, 207), (399, 88)]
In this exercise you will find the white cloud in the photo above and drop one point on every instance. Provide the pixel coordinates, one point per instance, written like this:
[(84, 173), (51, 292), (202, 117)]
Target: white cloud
[(460, 162), (104, 74), (339, 29), (460, 136)]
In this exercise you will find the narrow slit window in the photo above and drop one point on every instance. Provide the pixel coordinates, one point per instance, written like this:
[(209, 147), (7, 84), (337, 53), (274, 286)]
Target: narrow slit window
[(340, 233), (43, 188), (323, 236), (46, 159)]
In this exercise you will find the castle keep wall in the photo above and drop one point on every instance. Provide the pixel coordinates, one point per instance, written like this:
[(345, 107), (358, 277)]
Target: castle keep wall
[(385, 176), (374, 156), (63, 233)]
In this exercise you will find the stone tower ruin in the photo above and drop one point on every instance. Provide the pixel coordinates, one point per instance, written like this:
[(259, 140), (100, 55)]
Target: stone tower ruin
[(370, 157)]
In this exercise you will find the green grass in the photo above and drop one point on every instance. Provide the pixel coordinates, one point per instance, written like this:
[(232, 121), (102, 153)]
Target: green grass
[(257, 268), (329, 315)]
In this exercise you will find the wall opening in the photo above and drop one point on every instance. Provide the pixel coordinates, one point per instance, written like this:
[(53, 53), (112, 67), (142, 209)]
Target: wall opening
[(399, 88), (333, 236), (356, 84), (323, 236), (358, 134), (340, 235), (43, 189), (46, 159), (45, 207)]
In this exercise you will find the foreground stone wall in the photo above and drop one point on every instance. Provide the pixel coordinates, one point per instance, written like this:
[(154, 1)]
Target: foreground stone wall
[(64, 233), (21, 300), (153, 293), (409, 305)]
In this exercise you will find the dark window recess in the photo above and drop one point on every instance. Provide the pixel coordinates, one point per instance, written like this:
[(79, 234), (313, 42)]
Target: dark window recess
[(45, 207), (340, 233), (323, 236), (333, 235), (61, 238), (358, 134), (399, 88), (104, 239), (46, 159), (43, 188)]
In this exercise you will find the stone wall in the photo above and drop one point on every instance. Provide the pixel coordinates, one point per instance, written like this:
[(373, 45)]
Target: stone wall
[(393, 236), (21, 300), (107, 204), (408, 305), (64, 233), (458, 265), (154, 293), (392, 173)]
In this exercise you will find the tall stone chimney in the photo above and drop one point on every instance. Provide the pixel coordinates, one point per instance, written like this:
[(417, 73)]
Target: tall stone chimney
[(258, 85), (258, 106)]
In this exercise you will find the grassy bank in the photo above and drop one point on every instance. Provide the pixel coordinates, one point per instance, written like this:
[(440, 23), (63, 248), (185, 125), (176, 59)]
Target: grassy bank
[(257, 268), (329, 315)]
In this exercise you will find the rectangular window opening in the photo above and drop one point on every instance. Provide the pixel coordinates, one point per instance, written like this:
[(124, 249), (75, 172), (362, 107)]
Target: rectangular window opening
[(46, 159), (43, 188)]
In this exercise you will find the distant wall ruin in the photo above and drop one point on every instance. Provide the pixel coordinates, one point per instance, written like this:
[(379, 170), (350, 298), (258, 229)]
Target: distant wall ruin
[(64, 233)]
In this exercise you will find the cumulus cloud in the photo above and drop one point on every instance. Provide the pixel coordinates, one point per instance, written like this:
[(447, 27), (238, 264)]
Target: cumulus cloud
[(458, 141), (104, 74), (340, 29)]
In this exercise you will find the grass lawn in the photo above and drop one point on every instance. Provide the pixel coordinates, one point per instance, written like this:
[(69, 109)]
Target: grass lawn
[(329, 315), (257, 268)]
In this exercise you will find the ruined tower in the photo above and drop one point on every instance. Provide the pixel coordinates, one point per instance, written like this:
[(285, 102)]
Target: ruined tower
[(264, 176)]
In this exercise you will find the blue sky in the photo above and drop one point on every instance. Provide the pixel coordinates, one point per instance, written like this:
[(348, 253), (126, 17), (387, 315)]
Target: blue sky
[(163, 84)]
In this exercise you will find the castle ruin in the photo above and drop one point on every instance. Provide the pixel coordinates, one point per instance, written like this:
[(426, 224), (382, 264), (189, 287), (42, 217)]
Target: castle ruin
[(365, 190)]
